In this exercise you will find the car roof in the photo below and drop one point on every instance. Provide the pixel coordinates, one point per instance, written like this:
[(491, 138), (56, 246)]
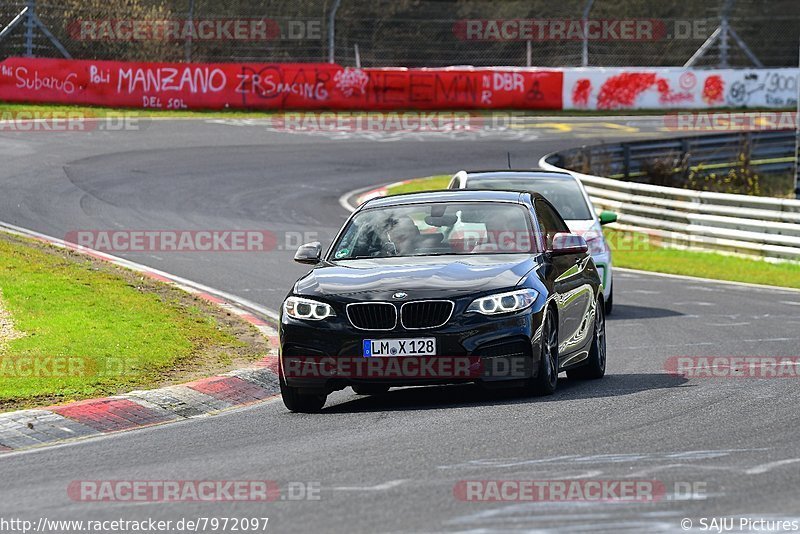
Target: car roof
[(524, 174), (453, 195)]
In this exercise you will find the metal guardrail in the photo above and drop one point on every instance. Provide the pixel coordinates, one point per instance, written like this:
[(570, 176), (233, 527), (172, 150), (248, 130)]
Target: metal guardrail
[(762, 227), (772, 152)]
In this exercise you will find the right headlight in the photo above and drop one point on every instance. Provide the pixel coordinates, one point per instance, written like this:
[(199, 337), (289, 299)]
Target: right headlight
[(511, 301), (307, 309)]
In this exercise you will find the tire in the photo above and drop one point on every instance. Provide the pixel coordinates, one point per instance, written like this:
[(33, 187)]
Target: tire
[(609, 304), (370, 389), (301, 402), (595, 366), (546, 380)]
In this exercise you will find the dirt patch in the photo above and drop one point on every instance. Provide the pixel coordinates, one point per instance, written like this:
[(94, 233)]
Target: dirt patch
[(7, 330)]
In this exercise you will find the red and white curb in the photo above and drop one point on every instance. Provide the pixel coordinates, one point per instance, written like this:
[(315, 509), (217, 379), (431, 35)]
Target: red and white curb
[(31, 428), (350, 201)]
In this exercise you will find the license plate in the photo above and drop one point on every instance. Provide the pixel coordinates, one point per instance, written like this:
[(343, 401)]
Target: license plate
[(424, 346)]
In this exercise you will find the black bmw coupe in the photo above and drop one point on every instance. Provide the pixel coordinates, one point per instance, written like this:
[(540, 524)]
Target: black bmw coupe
[(443, 287)]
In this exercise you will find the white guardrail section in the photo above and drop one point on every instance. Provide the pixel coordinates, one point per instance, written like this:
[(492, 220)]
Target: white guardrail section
[(763, 227)]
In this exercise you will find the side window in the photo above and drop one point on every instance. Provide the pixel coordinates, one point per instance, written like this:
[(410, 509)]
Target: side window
[(550, 220)]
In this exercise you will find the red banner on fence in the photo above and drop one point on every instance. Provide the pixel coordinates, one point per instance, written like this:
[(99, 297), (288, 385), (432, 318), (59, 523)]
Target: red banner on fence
[(275, 86)]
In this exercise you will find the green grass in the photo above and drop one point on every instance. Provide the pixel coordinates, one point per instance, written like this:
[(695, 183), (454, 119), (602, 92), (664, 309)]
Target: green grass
[(101, 331), (639, 251), (431, 183), (425, 184), (99, 111), (635, 251)]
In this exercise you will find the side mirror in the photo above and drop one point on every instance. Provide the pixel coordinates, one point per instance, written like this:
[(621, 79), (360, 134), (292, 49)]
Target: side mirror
[(310, 253), (607, 217), (564, 244)]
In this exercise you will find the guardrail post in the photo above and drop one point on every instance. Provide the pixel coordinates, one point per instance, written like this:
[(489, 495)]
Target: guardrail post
[(684, 159), (626, 160), (797, 165), (587, 159), (748, 148)]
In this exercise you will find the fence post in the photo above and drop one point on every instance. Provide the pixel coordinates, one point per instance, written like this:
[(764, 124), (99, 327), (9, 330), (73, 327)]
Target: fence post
[(797, 133), (332, 31), (585, 49), (188, 44), (29, 28)]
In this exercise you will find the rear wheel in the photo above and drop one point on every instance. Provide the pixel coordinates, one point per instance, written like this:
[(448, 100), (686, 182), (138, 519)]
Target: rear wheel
[(546, 381), (370, 389), (596, 363), (301, 402)]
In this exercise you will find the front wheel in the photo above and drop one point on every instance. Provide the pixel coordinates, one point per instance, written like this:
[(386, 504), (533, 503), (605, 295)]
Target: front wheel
[(546, 380), (595, 366), (301, 402)]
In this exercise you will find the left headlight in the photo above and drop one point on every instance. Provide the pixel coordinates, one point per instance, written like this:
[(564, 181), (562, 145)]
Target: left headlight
[(307, 309), (504, 302)]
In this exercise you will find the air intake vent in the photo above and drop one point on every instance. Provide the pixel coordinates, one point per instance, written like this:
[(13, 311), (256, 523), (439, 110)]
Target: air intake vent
[(372, 315), (425, 314)]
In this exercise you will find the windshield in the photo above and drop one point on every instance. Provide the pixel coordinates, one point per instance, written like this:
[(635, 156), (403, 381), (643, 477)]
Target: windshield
[(437, 229), (563, 193)]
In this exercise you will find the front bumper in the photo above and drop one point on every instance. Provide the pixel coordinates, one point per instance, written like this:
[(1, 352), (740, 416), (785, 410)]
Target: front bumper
[(328, 355)]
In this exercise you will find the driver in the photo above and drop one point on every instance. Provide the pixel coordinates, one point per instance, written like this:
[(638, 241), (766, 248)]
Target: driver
[(405, 235)]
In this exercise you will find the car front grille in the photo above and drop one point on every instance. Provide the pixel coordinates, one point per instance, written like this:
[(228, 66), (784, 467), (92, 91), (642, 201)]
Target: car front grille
[(425, 314), (372, 315), (413, 315)]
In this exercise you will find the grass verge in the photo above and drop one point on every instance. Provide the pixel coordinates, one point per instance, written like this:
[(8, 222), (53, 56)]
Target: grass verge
[(637, 251), (89, 328)]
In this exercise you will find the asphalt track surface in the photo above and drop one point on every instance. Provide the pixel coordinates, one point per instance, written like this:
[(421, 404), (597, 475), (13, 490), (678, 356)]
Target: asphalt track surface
[(390, 464)]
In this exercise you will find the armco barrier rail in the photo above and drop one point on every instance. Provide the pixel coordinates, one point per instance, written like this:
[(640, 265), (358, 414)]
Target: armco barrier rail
[(771, 152), (763, 227)]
